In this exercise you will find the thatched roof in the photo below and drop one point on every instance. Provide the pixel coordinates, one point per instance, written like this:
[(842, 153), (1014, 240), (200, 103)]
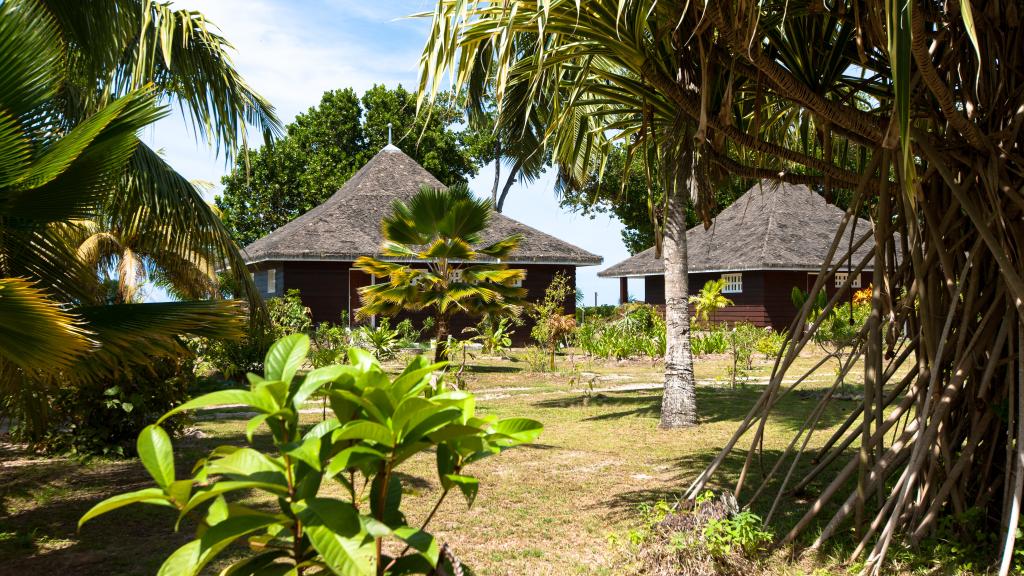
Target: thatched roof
[(347, 225), (772, 226)]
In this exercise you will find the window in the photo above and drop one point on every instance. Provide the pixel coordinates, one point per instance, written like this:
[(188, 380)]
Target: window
[(271, 281), (841, 279), (733, 283), (457, 275), (518, 283)]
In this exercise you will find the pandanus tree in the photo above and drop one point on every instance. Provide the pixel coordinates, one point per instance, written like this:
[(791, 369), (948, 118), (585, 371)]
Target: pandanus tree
[(79, 82), (912, 110), (433, 262)]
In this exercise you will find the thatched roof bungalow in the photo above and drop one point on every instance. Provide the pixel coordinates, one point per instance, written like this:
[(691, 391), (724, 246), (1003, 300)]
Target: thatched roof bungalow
[(314, 253), (773, 238)]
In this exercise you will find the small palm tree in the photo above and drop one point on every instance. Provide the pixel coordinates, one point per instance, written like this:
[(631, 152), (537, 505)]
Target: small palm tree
[(709, 300), (439, 269)]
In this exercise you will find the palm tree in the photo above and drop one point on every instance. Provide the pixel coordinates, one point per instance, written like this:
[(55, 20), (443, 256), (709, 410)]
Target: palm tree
[(80, 81), (709, 300), (434, 265), (595, 79)]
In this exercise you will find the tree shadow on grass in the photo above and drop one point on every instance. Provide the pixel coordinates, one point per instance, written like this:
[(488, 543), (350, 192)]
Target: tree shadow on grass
[(491, 369), (713, 405)]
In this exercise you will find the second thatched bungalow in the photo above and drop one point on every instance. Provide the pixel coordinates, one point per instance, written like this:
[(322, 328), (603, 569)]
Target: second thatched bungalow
[(772, 239)]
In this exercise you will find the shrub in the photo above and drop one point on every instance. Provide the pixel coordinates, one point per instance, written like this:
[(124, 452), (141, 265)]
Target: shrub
[(770, 343), (742, 338), (552, 327), (638, 331), (494, 336), (233, 358), (536, 358), (377, 424), (288, 315), (742, 532), (330, 344), (382, 341), (713, 342), (105, 417)]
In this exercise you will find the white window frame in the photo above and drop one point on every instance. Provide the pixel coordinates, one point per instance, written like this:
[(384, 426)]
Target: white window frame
[(271, 280), (457, 275), (841, 277), (733, 283), (518, 283)]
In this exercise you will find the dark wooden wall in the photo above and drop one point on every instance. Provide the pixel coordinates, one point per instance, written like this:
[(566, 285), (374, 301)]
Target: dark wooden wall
[(324, 288), (765, 300)]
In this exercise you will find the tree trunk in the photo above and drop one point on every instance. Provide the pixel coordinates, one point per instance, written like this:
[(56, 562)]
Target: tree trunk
[(497, 174), (508, 184), (679, 403), (442, 337)]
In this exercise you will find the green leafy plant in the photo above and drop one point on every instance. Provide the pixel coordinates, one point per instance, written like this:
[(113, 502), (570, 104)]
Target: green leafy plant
[(377, 424), (551, 326), (742, 338), (288, 315), (770, 343), (713, 341), (494, 335), (436, 264), (743, 532), (104, 417), (709, 301), (638, 330), (382, 340), (330, 343)]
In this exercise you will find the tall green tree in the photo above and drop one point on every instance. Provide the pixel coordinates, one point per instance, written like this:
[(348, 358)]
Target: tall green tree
[(441, 268), (633, 193), (79, 82), (328, 143)]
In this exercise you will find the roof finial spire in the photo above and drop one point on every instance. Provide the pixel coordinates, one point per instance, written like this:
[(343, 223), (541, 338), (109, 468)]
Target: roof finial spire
[(389, 133)]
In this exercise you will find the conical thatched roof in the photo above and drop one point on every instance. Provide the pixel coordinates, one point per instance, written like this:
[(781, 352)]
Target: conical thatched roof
[(771, 227), (347, 225)]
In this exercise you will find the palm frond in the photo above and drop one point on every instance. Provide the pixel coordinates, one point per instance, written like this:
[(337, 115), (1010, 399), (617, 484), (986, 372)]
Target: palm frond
[(36, 333)]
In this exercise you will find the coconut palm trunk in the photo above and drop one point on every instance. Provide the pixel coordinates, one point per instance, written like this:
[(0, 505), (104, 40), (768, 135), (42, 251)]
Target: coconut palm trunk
[(679, 403), (443, 331)]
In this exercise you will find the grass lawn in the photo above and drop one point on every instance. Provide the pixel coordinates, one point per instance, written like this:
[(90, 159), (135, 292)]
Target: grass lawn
[(549, 508)]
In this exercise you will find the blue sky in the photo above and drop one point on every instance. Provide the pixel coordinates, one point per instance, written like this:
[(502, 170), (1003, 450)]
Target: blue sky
[(293, 51)]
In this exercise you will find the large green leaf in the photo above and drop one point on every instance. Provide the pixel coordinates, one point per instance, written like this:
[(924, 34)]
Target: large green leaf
[(285, 357), (365, 430), (190, 559), (36, 333), (336, 532), (147, 495), (246, 398), (157, 454)]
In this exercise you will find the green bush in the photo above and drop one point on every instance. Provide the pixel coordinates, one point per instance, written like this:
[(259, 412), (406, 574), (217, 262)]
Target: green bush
[(770, 343), (288, 315), (638, 330), (330, 344), (494, 335), (713, 342), (105, 417), (743, 532), (382, 340), (335, 486), (233, 359), (742, 338)]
